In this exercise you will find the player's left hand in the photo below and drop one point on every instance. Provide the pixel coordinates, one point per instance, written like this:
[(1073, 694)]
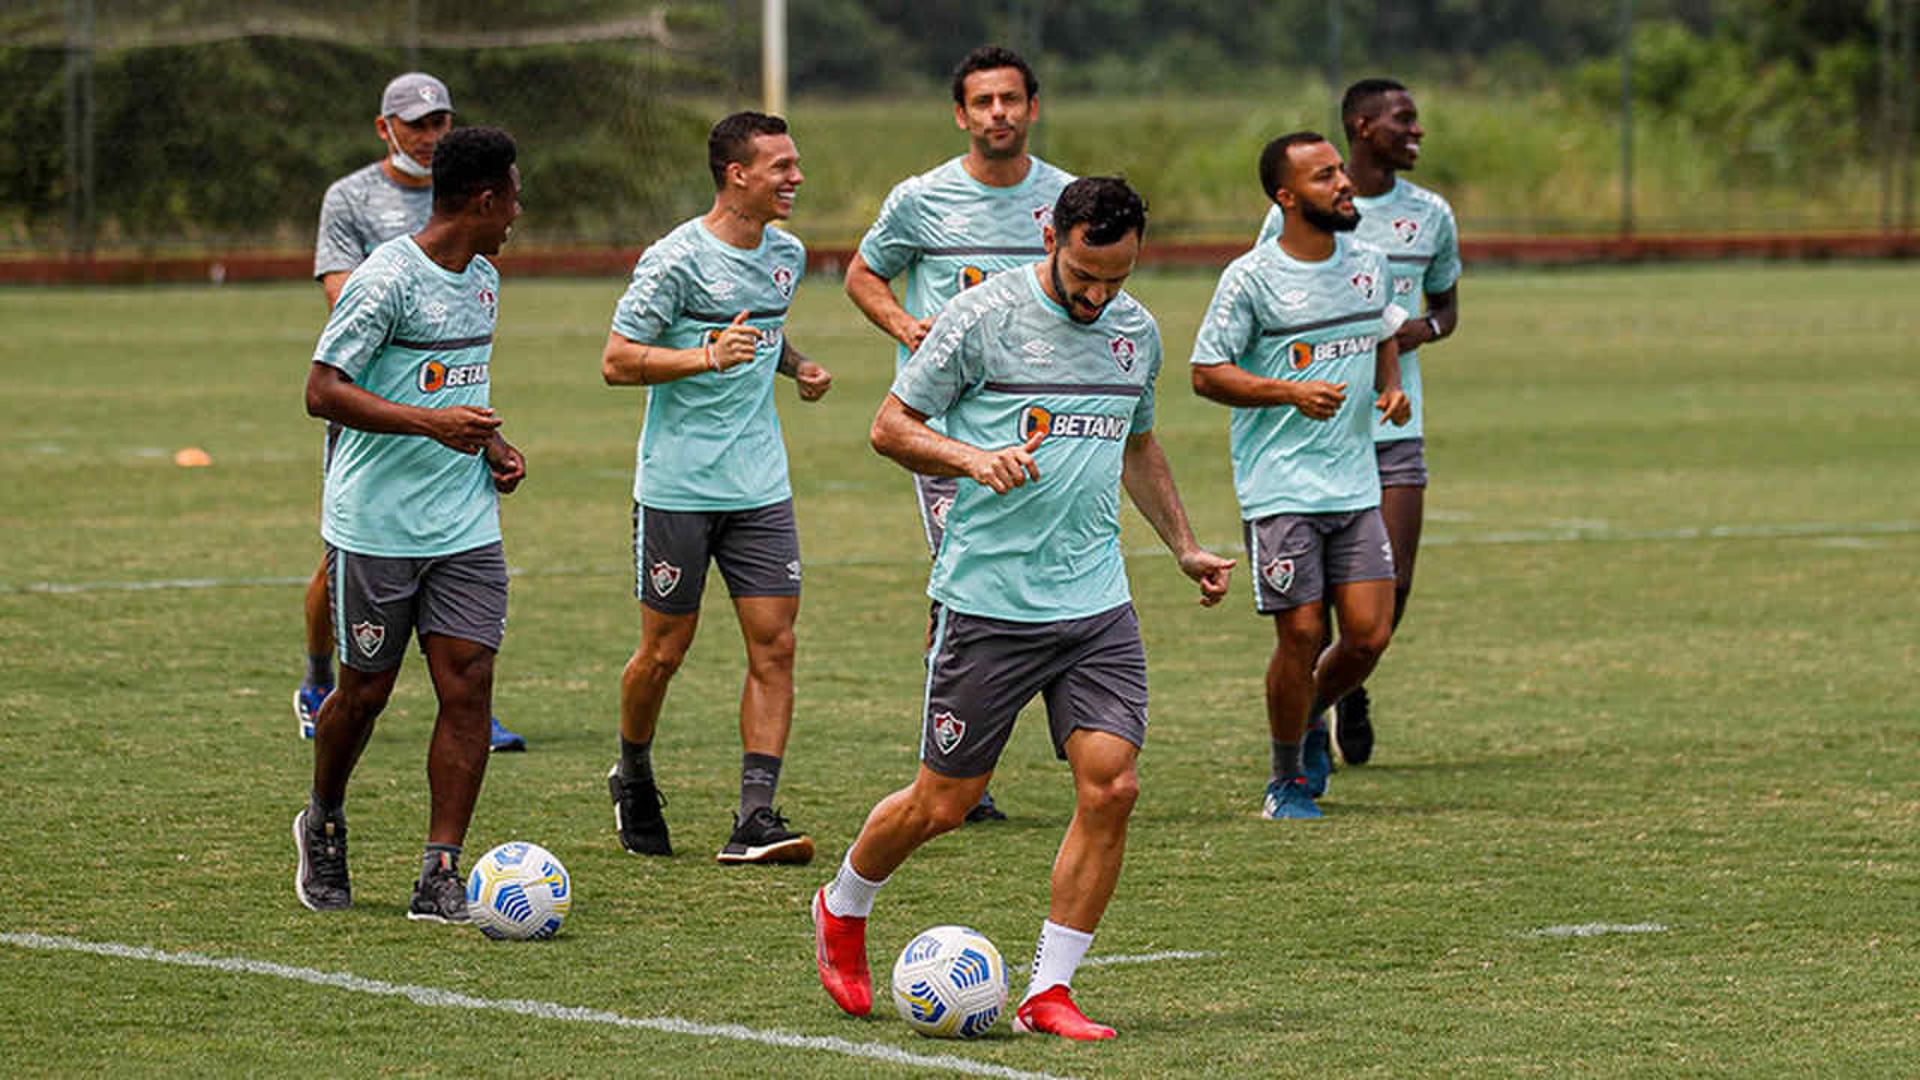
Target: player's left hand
[(812, 380), (507, 465), (1212, 572), (1395, 407)]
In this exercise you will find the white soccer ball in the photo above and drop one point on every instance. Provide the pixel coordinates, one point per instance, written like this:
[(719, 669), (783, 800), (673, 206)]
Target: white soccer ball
[(519, 891), (950, 983)]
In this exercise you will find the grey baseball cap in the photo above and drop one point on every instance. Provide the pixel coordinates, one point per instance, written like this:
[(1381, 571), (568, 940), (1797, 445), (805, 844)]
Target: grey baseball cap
[(414, 95)]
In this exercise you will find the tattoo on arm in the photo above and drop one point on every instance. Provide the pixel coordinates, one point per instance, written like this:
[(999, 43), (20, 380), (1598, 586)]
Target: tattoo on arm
[(790, 359)]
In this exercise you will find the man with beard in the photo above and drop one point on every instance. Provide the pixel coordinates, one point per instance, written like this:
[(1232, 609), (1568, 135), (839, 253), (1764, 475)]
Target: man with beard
[(953, 227), (362, 210), (1030, 590), (702, 327), (1298, 339), (1415, 228)]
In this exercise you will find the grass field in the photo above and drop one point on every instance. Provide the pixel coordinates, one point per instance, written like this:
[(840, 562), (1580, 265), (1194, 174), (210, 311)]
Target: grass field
[(1659, 672)]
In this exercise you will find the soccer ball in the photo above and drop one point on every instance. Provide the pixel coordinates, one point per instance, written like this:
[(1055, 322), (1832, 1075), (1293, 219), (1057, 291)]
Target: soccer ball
[(519, 891), (950, 983)]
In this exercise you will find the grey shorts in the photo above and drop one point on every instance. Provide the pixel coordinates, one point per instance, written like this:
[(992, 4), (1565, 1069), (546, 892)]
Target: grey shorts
[(758, 551), (935, 496), (1296, 557), (1403, 462), (379, 601), (981, 672)]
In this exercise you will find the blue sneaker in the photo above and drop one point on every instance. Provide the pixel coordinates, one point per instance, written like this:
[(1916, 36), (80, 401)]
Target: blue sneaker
[(503, 741), (1289, 800), (306, 706), (1316, 756)]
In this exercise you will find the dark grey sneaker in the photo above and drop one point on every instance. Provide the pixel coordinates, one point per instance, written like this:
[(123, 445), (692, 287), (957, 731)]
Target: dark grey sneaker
[(320, 880), (636, 815), (441, 896), (763, 837), (1353, 727)]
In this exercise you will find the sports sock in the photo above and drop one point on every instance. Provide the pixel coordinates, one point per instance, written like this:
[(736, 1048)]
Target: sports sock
[(321, 808), (319, 669), (1055, 957), (636, 761), (849, 894), (759, 775), (430, 861), (1287, 760)]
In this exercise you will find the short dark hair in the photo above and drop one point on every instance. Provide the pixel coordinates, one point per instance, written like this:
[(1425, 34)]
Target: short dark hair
[(731, 141), (1273, 160), (1106, 205), (1358, 102), (988, 58), (470, 160)]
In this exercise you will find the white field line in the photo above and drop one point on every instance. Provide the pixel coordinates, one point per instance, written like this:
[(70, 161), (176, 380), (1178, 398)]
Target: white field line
[(432, 997), (1595, 929), (1147, 958), (1579, 534)]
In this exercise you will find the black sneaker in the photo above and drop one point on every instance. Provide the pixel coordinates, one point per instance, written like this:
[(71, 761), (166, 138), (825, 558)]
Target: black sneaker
[(440, 896), (1353, 727), (636, 815), (763, 837), (320, 880), (984, 810)]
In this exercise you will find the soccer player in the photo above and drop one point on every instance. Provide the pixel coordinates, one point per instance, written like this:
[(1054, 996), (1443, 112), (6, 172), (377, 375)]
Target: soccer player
[(702, 327), (953, 227), (1045, 377), (412, 511), (362, 210), (1415, 228), (1299, 340)]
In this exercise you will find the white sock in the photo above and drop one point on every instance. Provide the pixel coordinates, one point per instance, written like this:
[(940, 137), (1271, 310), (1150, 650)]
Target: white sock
[(1055, 957), (849, 893)]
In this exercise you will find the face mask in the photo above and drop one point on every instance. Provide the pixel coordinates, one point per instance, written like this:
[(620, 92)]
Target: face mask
[(404, 162)]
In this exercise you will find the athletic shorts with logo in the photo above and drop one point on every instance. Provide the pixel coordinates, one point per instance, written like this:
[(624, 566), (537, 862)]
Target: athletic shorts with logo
[(381, 601), (1092, 673), (1297, 557), (1403, 462), (758, 552), (935, 494)]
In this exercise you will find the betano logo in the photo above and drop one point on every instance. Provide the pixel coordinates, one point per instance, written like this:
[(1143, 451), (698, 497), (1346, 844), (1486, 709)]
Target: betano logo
[(1059, 425), (436, 376), (1305, 354)]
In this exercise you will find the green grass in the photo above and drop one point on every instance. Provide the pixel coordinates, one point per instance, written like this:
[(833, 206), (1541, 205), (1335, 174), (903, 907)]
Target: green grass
[(1714, 734)]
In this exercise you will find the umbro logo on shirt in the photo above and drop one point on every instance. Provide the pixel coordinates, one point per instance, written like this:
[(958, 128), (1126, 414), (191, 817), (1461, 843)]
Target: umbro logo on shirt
[(1294, 299), (1038, 352)]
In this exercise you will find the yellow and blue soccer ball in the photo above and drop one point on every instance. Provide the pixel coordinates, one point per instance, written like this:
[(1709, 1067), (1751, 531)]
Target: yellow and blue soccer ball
[(950, 983), (519, 891)]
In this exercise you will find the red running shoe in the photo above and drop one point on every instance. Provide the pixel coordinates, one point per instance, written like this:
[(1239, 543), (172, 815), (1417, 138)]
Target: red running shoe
[(840, 950), (1054, 1013)]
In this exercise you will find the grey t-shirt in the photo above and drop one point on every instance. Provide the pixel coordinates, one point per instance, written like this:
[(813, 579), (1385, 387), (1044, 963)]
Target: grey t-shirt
[(361, 211)]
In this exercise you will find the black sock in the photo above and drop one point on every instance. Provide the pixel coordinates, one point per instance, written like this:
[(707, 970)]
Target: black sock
[(319, 669), (321, 808), (1287, 762), (430, 861), (759, 775), (636, 761)]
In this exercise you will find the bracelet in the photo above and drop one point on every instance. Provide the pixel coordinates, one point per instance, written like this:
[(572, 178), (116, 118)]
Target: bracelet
[(713, 364), (1433, 327)]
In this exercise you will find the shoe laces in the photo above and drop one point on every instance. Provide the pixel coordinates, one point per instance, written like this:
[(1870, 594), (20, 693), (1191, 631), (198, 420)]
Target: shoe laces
[(329, 856)]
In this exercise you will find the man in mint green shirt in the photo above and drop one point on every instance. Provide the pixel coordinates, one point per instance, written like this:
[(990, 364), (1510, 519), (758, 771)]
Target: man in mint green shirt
[(412, 513), (702, 325), (1298, 339)]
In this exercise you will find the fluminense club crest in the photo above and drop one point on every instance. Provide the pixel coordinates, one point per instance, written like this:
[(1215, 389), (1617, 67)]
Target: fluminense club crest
[(369, 637), (664, 576), (489, 300), (948, 730), (1406, 229), (1043, 216), (783, 280), (1364, 284), (1279, 574), (938, 511), (1124, 351)]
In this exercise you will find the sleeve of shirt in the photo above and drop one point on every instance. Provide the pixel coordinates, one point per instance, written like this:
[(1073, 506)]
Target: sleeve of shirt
[(652, 299), (337, 245), (1143, 411), (1444, 271), (890, 244), (362, 321), (950, 359), (1227, 329), (1270, 227)]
